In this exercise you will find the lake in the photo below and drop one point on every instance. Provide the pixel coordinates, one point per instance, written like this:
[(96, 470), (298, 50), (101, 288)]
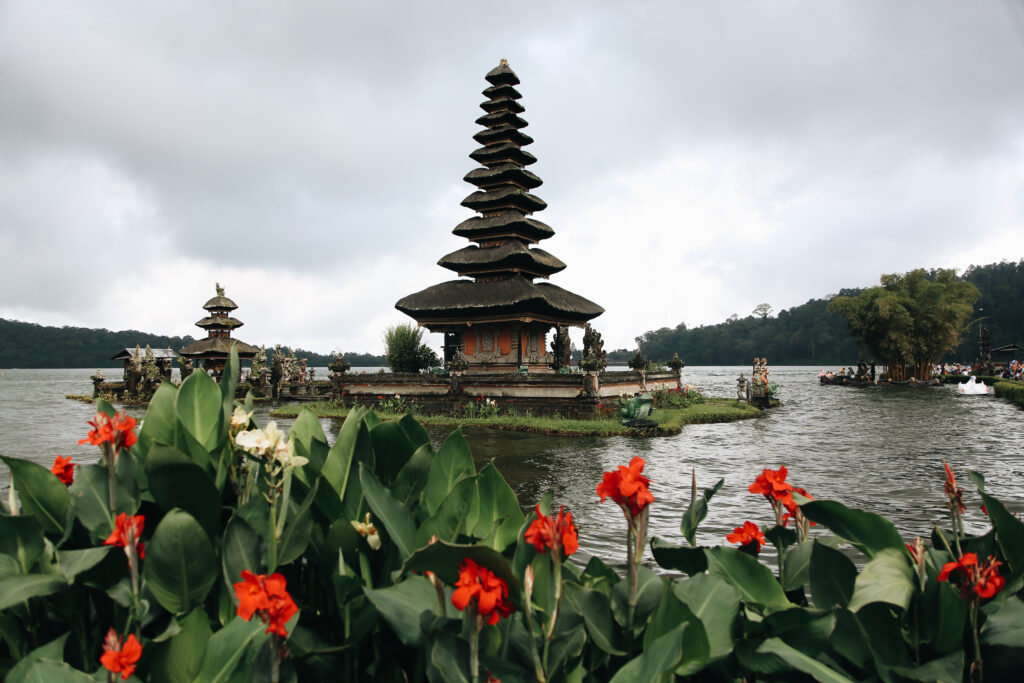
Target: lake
[(880, 449)]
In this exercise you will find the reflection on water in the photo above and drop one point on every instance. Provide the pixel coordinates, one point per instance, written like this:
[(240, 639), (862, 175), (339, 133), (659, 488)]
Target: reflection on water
[(877, 448)]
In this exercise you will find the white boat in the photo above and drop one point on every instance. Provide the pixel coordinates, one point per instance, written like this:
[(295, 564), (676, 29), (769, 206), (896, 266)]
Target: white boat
[(972, 387)]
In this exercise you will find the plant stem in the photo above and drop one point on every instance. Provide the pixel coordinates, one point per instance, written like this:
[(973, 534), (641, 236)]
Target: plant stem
[(364, 569), (474, 646), (557, 561), (976, 665)]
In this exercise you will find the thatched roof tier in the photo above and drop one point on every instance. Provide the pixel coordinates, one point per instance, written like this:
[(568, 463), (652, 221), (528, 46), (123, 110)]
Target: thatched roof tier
[(502, 75), (499, 92), (219, 323), (220, 301), (502, 117), (492, 155), (157, 353), (512, 256), (217, 347), (513, 298), (505, 225), (504, 198), (503, 103), (503, 174), (490, 136)]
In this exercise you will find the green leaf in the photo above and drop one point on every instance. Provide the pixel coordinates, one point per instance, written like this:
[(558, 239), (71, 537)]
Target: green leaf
[(198, 405), (403, 604), (565, 646), (716, 604), (49, 671), (391, 450), (832, 577), (17, 589), (21, 538), (499, 516), (350, 447), (1009, 529), (797, 566), (948, 669), (309, 438), (1006, 625), (53, 651), (226, 647), (392, 515), (887, 577), (228, 387), (42, 494), (452, 462), (415, 431), (805, 629), (413, 476), (679, 558), (801, 662), (650, 589), (443, 559), (755, 582), (73, 562), (297, 531), (177, 482), (656, 662), (449, 656), (181, 565), (241, 550), (595, 608), (599, 576), (866, 531), (90, 501), (161, 422), (696, 512), (178, 660), (668, 615)]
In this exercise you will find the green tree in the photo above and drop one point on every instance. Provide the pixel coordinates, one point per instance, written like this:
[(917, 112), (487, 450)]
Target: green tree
[(405, 351), (911, 320)]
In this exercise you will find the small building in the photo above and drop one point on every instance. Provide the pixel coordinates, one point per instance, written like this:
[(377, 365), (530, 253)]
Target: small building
[(164, 359), (211, 354), (1005, 354), (498, 319)]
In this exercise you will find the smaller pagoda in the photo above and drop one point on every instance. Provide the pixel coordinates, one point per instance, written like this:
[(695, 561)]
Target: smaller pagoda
[(212, 353)]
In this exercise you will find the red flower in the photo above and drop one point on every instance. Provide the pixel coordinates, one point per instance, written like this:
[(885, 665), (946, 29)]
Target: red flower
[(267, 596), (791, 506), (127, 532), (954, 493), (772, 485), (975, 581), (118, 657), (116, 430), (749, 535), (555, 534), (489, 591), (627, 487), (64, 469)]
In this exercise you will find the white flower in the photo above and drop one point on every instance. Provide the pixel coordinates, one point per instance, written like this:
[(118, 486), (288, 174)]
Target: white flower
[(253, 441), (284, 454), (240, 418), (367, 531)]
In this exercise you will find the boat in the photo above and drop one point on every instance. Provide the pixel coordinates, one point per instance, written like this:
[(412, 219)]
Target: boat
[(972, 387)]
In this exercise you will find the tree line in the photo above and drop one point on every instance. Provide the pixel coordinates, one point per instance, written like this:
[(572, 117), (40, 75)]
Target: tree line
[(29, 345), (810, 334)]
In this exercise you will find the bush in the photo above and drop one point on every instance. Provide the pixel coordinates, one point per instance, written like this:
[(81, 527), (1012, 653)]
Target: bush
[(405, 351)]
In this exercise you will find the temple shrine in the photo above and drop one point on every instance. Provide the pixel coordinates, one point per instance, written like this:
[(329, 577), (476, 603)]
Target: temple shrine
[(496, 322), (212, 353)]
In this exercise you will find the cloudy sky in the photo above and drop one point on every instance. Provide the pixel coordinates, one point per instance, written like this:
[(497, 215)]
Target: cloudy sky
[(699, 158)]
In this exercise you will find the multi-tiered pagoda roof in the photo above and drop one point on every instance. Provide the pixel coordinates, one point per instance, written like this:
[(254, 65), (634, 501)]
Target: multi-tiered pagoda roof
[(501, 261), (218, 324)]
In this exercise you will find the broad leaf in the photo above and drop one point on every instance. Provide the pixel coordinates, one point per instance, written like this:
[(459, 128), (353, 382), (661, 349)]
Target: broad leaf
[(241, 550), (391, 450), (797, 566), (1009, 529), (498, 515), (21, 538), (668, 615), (596, 611), (449, 520), (716, 604), (887, 578), (391, 514), (198, 405), (73, 562), (42, 494), (90, 501), (17, 589), (656, 662), (177, 482), (179, 659), (226, 647), (832, 577), (696, 512), (415, 431), (338, 469), (866, 531), (755, 582), (49, 671), (680, 558), (1006, 625), (161, 422), (297, 530), (413, 476), (801, 662), (452, 462), (181, 565), (53, 651), (443, 559), (402, 606)]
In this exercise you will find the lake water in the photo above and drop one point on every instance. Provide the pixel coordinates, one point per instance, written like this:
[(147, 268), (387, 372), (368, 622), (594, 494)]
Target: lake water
[(880, 449)]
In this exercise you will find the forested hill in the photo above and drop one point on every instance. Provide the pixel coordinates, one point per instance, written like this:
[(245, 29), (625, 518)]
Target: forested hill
[(810, 335), (27, 345)]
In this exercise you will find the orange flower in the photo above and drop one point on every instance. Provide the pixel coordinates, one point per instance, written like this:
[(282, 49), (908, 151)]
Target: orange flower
[(627, 487), (489, 591), (772, 485), (64, 469), (791, 506), (116, 430), (118, 657), (954, 493), (267, 596), (555, 534), (975, 581), (749, 536), (126, 534)]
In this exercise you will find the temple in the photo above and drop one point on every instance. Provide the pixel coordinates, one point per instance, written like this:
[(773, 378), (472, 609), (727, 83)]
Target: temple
[(212, 353), (498, 319)]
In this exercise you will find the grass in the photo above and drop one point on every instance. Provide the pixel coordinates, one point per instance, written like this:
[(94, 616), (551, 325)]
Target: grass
[(669, 420)]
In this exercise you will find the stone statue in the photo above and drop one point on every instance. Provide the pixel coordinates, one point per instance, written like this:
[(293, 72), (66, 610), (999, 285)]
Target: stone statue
[(186, 367), (97, 379), (741, 388), (593, 350), (220, 290)]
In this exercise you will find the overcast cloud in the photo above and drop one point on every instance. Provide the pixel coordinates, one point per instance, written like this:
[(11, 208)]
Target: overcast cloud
[(699, 158)]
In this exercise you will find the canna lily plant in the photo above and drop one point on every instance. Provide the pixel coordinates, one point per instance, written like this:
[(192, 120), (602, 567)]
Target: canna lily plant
[(204, 547)]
